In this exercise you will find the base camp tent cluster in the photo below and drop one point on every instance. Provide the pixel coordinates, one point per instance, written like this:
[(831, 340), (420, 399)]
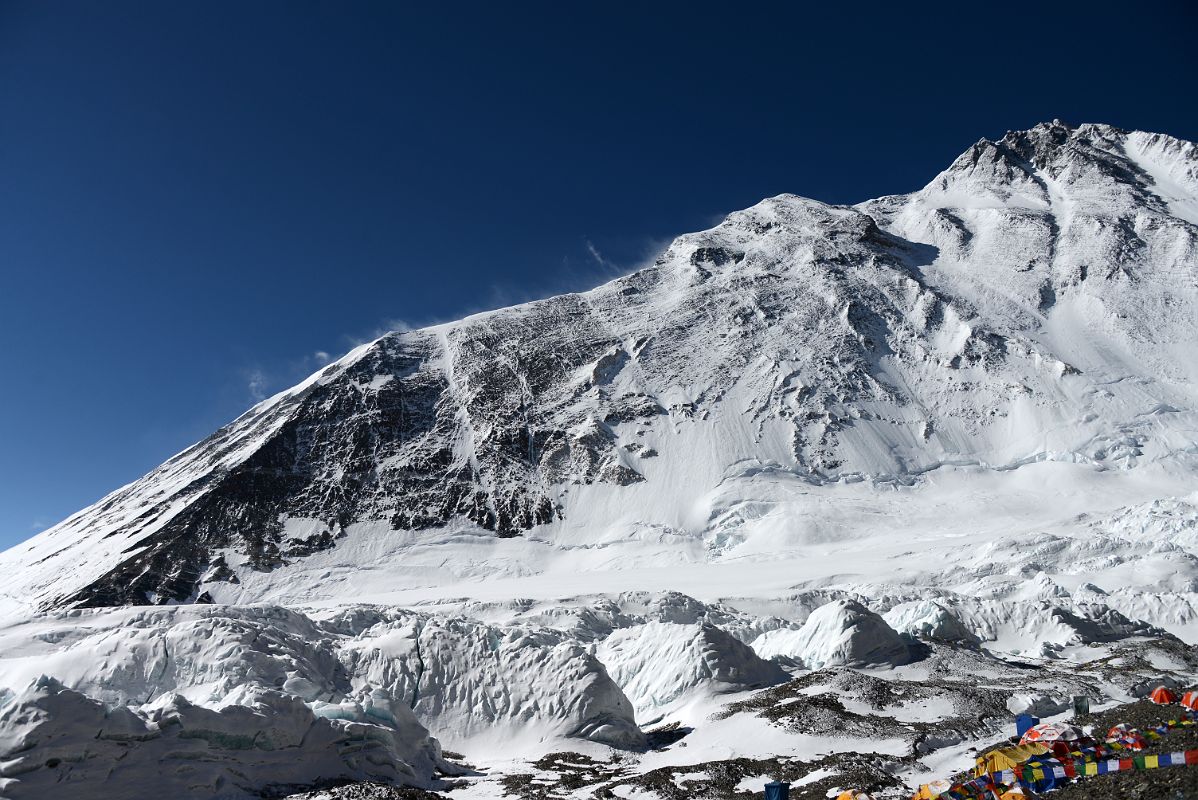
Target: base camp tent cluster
[(1048, 753)]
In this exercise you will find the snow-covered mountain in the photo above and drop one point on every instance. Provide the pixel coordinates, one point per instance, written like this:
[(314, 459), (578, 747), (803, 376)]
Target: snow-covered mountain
[(1034, 303), (962, 417)]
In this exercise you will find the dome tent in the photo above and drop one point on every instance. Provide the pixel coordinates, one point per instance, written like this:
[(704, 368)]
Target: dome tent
[(1163, 696), (1007, 757), (1049, 732)]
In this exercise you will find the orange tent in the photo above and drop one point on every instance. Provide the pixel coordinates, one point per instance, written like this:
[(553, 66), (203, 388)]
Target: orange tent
[(1162, 696), (1190, 700)]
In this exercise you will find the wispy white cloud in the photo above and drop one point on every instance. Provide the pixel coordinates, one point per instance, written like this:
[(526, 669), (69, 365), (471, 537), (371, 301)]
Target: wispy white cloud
[(256, 384), (261, 382), (574, 275), (647, 253), (597, 256)]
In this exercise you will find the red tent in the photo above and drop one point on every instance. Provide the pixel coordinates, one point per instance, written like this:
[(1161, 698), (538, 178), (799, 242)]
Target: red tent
[(1162, 696), (1190, 700)]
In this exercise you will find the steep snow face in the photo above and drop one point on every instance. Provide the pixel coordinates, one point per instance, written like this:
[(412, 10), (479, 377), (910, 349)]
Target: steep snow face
[(840, 633), (764, 386)]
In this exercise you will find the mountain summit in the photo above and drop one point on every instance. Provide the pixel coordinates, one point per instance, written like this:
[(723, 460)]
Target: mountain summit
[(1034, 304)]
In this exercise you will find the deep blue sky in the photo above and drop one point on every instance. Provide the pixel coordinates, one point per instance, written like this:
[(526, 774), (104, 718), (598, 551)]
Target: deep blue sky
[(199, 199)]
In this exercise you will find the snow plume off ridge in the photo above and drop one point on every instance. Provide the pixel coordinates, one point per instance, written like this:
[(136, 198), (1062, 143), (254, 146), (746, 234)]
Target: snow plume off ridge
[(963, 416)]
